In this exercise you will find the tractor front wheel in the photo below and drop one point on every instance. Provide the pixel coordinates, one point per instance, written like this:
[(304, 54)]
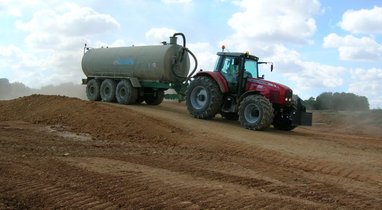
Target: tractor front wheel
[(255, 112)]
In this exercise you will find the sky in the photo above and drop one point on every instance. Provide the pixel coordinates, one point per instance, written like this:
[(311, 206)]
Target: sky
[(315, 46)]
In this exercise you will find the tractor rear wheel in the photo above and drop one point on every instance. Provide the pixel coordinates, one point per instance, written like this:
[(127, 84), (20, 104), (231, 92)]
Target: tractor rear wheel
[(126, 93), (203, 98), (107, 90), (93, 89), (255, 112)]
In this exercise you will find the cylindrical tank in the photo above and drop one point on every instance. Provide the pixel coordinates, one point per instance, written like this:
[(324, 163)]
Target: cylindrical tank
[(168, 62)]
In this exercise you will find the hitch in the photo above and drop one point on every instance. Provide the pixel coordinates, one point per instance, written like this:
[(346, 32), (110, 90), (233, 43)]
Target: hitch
[(300, 116)]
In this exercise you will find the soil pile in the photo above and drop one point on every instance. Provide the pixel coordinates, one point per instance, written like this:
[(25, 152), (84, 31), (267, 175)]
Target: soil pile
[(99, 120), (64, 153)]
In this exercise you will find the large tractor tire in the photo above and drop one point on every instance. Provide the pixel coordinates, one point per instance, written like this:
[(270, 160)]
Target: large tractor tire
[(255, 112), (93, 89), (126, 93), (155, 98), (203, 98), (107, 90)]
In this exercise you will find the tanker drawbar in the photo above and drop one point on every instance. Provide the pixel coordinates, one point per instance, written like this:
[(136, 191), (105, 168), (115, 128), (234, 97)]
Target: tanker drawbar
[(135, 74)]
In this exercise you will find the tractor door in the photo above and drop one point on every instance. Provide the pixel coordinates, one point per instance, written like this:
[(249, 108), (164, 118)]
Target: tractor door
[(230, 71), (250, 70)]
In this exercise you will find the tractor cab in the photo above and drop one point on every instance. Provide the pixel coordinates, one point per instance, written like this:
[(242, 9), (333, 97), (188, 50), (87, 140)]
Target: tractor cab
[(237, 69)]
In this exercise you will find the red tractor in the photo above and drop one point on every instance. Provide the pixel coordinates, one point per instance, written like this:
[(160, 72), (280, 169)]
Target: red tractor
[(237, 92)]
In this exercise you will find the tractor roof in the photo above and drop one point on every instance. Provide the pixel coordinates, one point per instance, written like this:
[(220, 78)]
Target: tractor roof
[(238, 54)]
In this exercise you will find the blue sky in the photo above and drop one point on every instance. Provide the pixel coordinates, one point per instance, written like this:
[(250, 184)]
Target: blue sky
[(316, 46)]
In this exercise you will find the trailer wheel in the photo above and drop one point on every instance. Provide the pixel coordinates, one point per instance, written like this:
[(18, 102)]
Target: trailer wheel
[(255, 112), (93, 89), (126, 93), (203, 98), (107, 90)]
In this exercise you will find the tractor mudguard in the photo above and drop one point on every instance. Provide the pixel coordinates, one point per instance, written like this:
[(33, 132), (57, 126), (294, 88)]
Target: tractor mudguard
[(218, 77)]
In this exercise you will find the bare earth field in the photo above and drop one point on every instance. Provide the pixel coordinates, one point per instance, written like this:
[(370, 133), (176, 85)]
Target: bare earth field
[(65, 153)]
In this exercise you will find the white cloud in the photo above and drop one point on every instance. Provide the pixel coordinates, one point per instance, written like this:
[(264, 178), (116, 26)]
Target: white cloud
[(274, 21), (363, 21), (54, 38), (64, 24), (176, 1), (203, 52), (13, 57), (15, 8), (157, 35), (353, 48), (367, 82), (315, 75), (306, 75)]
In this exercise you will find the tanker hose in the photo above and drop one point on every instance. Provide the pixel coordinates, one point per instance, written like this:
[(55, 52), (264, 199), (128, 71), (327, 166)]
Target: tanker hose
[(183, 36), (184, 44), (184, 49), (188, 78), (196, 64)]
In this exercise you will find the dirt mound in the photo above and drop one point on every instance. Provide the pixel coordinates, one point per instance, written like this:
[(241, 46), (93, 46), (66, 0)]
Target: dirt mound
[(159, 157), (101, 121)]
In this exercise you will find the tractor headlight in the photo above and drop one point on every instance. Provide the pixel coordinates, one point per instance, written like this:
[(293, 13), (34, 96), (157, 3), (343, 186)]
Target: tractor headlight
[(288, 96)]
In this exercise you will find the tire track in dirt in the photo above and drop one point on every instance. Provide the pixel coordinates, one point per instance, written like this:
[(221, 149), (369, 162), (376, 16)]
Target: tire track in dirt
[(352, 172), (206, 191), (23, 191), (313, 191), (368, 185)]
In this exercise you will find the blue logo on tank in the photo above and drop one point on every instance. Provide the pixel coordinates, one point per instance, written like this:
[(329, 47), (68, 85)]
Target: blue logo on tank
[(124, 61)]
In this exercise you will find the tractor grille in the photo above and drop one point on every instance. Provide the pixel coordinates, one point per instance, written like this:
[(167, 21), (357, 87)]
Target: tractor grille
[(288, 94), (274, 95)]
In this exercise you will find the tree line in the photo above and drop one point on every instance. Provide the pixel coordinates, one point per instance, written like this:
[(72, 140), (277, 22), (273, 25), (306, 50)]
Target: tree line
[(338, 101)]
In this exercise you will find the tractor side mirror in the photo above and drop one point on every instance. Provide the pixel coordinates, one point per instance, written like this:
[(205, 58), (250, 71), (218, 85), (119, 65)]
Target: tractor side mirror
[(271, 67)]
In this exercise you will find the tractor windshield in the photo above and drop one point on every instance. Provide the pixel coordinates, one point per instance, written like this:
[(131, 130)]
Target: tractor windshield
[(250, 68)]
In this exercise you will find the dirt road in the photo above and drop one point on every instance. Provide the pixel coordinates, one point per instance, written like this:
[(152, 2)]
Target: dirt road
[(59, 152)]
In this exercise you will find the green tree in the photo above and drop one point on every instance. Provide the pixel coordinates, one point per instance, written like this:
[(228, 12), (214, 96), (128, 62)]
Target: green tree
[(5, 88), (341, 102)]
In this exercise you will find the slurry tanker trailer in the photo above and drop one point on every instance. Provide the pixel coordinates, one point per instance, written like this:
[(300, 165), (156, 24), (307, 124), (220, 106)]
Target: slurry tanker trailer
[(131, 75)]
